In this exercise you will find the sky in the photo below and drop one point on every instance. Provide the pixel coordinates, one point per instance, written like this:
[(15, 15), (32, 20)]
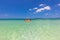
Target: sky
[(29, 8)]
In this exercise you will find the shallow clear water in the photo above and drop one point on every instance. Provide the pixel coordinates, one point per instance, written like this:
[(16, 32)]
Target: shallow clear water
[(34, 30)]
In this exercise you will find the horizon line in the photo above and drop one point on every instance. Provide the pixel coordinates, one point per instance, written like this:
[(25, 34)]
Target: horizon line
[(25, 18)]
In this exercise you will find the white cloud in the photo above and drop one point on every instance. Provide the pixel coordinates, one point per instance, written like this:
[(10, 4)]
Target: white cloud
[(38, 9), (47, 8), (35, 8), (41, 4), (42, 9), (59, 4)]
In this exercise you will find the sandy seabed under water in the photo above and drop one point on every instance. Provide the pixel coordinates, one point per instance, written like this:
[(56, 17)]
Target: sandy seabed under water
[(34, 30)]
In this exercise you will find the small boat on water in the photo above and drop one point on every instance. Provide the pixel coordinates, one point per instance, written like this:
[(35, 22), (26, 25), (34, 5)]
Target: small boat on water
[(27, 20)]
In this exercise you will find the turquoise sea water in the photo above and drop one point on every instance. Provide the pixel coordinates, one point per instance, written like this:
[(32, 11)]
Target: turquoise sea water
[(34, 30)]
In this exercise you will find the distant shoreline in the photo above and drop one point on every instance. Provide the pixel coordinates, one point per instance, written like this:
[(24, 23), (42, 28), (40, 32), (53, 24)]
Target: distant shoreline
[(31, 19)]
